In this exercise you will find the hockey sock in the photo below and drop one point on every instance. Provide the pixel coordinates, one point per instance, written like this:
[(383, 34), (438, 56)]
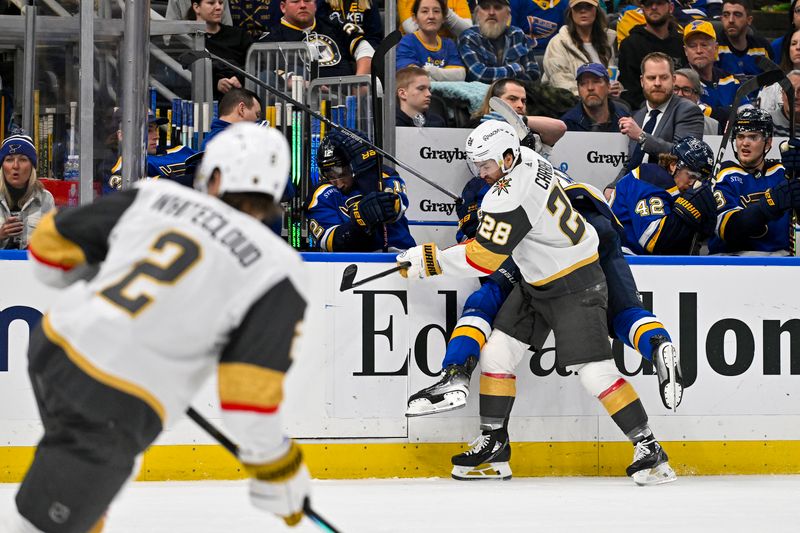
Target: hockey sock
[(624, 406), (639, 434), (635, 326), (496, 399), (475, 324)]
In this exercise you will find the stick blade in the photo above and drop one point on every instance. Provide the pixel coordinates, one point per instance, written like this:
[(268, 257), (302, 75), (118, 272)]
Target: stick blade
[(348, 276), (187, 59)]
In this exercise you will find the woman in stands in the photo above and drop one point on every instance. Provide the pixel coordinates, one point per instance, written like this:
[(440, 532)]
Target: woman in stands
[(23, 198), (457, 17), (585, 38), (425, 48), (225, 41), (771, 97)]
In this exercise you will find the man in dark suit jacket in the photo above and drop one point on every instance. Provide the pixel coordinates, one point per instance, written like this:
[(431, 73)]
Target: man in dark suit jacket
[(663, 121)]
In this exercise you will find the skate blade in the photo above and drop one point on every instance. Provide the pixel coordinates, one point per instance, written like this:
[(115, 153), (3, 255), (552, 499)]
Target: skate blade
[(669, 391), (657, 475), (423, 406), (501, 471)]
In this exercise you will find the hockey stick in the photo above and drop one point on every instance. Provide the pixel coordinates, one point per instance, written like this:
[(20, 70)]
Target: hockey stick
[(232, 447), (350, 271), (378, 73), (507, 112), (762, 80), (188, 58)]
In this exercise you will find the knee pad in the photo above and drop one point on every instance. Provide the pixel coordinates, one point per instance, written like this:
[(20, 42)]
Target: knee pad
[(502, 353), (597, 376)]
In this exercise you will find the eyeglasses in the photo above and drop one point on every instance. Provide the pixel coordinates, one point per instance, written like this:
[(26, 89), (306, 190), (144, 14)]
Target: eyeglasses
[(683, 91)]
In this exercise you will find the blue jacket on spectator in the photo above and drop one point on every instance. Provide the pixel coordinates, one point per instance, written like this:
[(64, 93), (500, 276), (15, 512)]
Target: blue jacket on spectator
[(518, 61), (720, 90), (576, 119), (744, 62), (540, 20)]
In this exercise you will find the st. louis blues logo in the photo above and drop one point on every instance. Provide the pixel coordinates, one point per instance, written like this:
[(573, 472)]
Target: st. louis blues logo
[(12, 148), (502, 185)]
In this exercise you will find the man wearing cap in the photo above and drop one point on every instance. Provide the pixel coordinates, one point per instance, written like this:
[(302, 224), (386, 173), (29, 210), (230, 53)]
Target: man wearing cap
[(659, 34), (167, 163), (718, 87), (493, 49), (595, 111)]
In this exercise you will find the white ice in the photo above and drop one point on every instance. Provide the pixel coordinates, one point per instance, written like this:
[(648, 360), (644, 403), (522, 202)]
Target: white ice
[(726, 504)]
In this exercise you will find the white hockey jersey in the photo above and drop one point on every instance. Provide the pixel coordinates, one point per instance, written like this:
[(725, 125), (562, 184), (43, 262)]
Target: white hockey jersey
[(526, 214), (185, 283)]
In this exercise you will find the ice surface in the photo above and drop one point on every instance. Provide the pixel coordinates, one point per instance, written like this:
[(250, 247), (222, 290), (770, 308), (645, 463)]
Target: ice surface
[(727, 504)]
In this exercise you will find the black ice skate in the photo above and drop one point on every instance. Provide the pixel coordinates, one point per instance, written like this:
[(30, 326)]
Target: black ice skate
[(650, 466), (668, 368), (487, 458), (447, 394)]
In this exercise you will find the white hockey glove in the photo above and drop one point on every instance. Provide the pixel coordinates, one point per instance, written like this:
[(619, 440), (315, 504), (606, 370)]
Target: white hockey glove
[(423, 259), (281, 486)]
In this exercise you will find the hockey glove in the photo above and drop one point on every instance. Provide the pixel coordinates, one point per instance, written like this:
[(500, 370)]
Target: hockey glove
[(375, 208), (697, 208), (533, 141), (281, 486), (423, 259), (790, 157), (467, 219), (783, 196)]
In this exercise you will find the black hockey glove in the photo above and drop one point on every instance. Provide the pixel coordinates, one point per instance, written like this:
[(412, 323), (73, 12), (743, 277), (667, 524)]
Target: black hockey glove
[(533, 141), (783, 196), (375, 208), (697, 208), (790, 157), (467, 218)]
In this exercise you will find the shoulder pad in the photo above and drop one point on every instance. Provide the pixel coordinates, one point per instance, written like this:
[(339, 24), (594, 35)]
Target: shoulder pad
[(656, 175), (324, 191)]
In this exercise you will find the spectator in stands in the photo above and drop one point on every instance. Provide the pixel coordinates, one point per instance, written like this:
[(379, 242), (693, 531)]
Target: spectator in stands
[(595, 111), (162, 163), (770, 98), (343, 49), (540, 21), (585, 38), (754, 198), (256, 17), (665, 207), (227, 42), (794, 24), (718, 88), (658, 34), (493, 49), (512, 92), (356, 198), (687, 85), (457, 17), (178, 10), (23, 198), (780, 117), (237, 105), (414, 99), (664, 120), (363, 13), (738, 47), (425, 48)]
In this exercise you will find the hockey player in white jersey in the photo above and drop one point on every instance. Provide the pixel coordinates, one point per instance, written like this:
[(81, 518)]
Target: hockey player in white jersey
[(184, 284), (526, 214)]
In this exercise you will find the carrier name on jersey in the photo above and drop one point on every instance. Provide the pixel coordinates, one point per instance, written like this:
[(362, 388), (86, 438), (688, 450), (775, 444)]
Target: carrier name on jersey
[(213, 222)]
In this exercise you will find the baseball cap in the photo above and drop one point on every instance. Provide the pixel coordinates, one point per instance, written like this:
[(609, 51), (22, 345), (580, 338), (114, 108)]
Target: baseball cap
[(151, 118), (592, 68), (699, 26), (573, 3), (501, 2)]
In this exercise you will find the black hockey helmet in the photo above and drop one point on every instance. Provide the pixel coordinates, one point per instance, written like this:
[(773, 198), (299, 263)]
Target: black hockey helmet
[(694, 154), (331, 158), (753, 119)]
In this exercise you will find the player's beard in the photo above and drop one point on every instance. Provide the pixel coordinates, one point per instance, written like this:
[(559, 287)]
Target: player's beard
[(491, 29)]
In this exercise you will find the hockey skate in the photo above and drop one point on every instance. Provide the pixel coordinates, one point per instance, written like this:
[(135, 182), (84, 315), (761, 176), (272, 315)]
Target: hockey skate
[(650, 466), (487, 458), (447, 394), (668, 368)]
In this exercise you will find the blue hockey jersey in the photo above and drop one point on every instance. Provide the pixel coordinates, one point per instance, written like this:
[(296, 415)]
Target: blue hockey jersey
[(412, 51), (742, 62), (166, 164), (641, 202), (329, 212), (539, 19), (735, 189)]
